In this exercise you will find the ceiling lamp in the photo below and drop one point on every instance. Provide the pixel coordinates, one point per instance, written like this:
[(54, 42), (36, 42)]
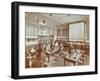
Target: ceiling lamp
[(67, 15), (42, 22), (50, 14)]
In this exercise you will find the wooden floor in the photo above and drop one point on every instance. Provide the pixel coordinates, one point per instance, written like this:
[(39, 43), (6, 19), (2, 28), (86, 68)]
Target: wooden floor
[(54, 61)]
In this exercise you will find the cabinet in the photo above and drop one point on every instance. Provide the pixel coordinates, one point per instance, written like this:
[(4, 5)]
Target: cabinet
[(62, 32)]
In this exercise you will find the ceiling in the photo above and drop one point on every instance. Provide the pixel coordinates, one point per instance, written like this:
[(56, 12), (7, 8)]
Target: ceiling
[(53, 18), (65, 18)]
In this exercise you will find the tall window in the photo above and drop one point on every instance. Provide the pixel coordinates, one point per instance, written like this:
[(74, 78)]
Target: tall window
[(76, 31)]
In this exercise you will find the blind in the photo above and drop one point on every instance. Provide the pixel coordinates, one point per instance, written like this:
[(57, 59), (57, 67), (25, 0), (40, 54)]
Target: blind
[(76, 31)]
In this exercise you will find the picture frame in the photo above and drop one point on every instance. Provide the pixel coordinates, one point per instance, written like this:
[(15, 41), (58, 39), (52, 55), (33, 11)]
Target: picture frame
[(23, 13)]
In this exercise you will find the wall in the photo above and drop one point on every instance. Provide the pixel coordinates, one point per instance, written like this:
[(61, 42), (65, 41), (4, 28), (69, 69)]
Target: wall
[(5, 40)]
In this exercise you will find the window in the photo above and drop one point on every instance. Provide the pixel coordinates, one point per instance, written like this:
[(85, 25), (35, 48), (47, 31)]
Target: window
[(76, 31)]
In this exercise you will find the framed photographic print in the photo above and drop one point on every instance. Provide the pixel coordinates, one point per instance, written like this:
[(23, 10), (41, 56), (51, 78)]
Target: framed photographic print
[(50, 40)]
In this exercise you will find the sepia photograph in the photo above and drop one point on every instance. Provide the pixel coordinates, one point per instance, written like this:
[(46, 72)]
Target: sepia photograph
[(56, 40), (51, 40)]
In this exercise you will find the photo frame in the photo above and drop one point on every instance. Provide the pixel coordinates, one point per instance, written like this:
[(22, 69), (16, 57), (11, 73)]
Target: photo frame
[(52, 40)]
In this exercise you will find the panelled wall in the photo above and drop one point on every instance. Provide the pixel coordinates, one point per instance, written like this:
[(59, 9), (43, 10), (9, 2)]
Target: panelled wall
[(37, 31)]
